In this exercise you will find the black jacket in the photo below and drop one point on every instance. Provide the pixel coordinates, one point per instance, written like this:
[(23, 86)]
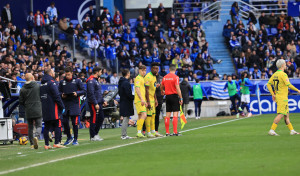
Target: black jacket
[(72, 103), (4, 16), (185, 90), (158, 94), (126, 98), (94, 91), (30, 99), (52, 104)]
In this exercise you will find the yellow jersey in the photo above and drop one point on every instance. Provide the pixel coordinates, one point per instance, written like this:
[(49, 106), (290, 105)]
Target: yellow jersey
[(280, 81), (150, 80), (139, 82)]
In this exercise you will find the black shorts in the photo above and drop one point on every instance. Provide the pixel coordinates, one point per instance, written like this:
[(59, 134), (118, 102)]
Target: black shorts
[(172, 103)]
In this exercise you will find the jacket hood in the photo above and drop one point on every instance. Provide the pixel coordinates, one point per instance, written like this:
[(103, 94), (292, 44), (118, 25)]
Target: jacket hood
[(46, 78), (184, 82), (30, 85), (122, 80)]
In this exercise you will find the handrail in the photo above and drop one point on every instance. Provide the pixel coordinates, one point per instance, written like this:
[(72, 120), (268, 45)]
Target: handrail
[(209, 6), (7, 79)]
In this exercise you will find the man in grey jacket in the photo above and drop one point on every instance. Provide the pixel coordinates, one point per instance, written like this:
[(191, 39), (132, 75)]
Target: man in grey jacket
[(30, 99)]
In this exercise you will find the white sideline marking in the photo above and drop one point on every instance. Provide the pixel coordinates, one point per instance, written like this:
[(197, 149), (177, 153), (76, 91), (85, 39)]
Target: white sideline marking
[(110, 148)]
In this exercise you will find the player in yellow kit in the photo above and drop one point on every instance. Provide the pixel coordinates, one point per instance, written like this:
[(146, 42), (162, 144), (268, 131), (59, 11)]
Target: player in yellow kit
[(140, 99), (150, 85), (281, 83)]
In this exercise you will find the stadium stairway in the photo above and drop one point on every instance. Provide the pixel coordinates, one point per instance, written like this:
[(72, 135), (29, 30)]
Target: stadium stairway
[(217, 46)]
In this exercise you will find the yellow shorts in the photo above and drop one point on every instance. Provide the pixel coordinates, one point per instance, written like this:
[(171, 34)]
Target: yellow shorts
[(282, 107), (140, 108), (151, 111)]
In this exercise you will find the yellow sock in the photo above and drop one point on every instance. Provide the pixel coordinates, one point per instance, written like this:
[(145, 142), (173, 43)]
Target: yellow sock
[(148, 121), (152, 123), (140, 123), (290, 126), (274, 126)]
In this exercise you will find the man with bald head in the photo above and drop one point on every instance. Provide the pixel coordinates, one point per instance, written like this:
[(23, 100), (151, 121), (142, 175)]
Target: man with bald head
[(30, 99)]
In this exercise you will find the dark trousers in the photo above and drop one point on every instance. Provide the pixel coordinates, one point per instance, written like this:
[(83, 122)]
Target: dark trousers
[(67, 126), (157, 110), (233, 99), (39, 30), (56, 126), (198, 103), (37, 123), (96, 120)]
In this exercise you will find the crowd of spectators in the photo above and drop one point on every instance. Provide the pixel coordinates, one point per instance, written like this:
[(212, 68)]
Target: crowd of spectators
[(256, 49), (157, 37)]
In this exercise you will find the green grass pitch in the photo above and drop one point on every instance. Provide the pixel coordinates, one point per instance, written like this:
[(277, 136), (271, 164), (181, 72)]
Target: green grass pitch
[(240, 147)]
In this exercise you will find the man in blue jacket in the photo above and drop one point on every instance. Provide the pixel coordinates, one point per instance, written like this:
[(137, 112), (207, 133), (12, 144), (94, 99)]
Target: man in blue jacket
[(96, 103), (71, 89), (52, 108)]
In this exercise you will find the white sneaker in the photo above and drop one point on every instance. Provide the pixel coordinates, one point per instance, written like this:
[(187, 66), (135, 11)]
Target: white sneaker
[(249, 114), (98, 138), (150, 135), (293, 132), (126, 137), (273, 133)]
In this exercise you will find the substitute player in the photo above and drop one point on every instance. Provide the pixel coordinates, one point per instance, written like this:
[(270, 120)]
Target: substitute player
[(140, 99), (245, 90), (233, 90), (281, 83), (170, 87), (150, 85)]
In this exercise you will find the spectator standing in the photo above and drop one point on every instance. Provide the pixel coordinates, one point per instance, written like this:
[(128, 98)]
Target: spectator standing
[(30, 99), (234, 13), (185, 89), (149, 13), (71, 89), (39, 22), (118, 19), (52, 11), (30, 22), (162, 13), (6, 14), (52, 108)]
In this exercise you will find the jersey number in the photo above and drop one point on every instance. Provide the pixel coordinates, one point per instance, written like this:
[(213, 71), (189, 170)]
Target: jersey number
[(276, 82)]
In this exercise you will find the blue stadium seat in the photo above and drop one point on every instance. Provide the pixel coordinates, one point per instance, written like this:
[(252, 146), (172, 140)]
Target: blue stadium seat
[(166, 67), (196, 9), (137, 40), (274, 31), (133, 34), (187, 10), (127, 46), (75, 22), (268, 31), (62, 36), (187, 5), (148, 69), (88, 35)]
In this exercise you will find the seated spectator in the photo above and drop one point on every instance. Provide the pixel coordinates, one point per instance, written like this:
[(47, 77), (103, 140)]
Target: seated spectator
[(114, 79), (234, 43), (147, 59), (63, 24), (163, 72), (166, 58), (70, 29), (87, 24), (213, 75), (208, 67), (84, 44)]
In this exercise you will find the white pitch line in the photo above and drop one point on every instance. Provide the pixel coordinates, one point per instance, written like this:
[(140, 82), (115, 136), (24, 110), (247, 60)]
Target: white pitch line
[(106, 149)]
